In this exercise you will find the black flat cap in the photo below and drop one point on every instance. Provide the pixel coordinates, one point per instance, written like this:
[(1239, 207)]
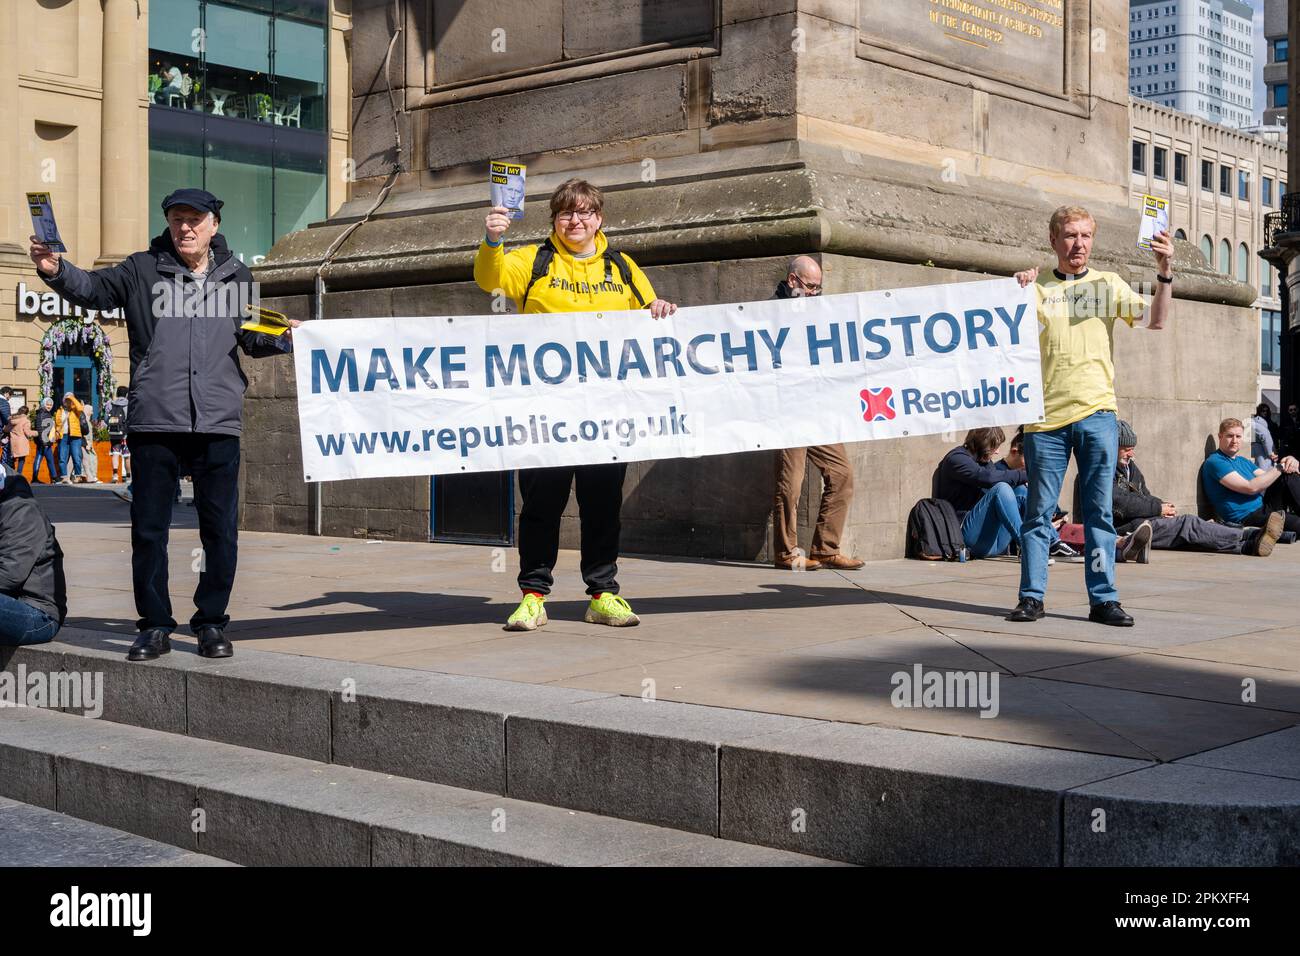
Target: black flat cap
[(199, 199)]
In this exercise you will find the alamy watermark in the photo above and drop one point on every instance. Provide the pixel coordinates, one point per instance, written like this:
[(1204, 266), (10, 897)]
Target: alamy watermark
[(958, 689), (74, 690)]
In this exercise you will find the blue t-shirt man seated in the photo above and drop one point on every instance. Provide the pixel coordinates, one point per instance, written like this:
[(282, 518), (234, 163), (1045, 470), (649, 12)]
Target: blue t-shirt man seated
[(1236, 487)]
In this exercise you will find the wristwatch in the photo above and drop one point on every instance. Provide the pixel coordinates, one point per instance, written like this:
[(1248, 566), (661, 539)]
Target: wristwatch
[(1167, 280)]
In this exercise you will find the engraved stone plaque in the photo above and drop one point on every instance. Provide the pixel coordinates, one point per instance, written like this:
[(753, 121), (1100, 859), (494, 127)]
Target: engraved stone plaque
[(1020, 42)]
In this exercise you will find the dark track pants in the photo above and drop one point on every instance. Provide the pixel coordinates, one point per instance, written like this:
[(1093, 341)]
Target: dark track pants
[(600, 500), (158, 459)]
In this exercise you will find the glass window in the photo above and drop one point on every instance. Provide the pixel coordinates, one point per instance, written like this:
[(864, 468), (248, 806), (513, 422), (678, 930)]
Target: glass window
[(1159, 158), (1243, 185), (1243, 263), (238, 80), (300, 74), (241, 85), (1139, 157), (1281, 95), (1270, 346), (175, 52), (1180, 168), (1266, 191), (175, 157), (1207, 250), (1265, 279), (1207, 175), (1179, 234), (239, 171), (1280, 50), (1225, 257), (1225, 181), (300, 180)]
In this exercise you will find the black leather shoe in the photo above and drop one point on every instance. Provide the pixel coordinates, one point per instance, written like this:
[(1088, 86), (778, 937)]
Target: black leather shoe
[(150, 645), (1109, 612), (1029, 609), (213, 642)]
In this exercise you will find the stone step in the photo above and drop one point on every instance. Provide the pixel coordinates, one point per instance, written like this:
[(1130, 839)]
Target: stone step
[(35, 836), (859, 794), (261, 809)]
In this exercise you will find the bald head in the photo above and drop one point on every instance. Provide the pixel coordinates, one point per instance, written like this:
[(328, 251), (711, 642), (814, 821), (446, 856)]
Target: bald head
[(805, 276)]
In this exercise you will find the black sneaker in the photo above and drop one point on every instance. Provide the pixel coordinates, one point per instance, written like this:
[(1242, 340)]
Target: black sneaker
[(1060, 549), (1029, 609), (1109, 612)]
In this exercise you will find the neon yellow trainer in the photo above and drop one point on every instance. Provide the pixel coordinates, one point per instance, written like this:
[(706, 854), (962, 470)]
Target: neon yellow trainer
[(607, 608), (530, 615)]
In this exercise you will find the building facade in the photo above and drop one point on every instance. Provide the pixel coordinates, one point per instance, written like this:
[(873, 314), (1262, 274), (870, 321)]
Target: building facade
[(1221, 183), (1277, 89), (129, 100), (1195, 56)]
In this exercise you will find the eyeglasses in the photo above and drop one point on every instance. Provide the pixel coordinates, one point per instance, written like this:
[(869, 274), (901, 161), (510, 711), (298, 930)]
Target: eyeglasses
[(586, 215), (814, 288)]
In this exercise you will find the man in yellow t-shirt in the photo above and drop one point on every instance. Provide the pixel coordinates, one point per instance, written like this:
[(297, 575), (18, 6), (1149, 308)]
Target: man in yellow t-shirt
[(1077, 311), (577, 272)]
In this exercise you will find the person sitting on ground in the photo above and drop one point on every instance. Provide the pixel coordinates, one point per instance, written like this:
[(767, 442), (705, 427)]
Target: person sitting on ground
[(804, 278), (1238, 490), (33, 592), (981, 493), (585, 275), (1134, 504), (1014, 460)]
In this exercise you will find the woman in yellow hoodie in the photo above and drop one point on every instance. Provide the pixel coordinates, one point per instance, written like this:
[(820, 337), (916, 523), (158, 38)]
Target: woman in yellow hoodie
[(581, 276), (68, 432)]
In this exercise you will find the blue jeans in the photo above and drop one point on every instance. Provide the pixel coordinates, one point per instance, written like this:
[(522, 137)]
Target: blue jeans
[(989, 528), (22, 624), (1022, 497), (70, 445), (45, 453), (1094, 442)]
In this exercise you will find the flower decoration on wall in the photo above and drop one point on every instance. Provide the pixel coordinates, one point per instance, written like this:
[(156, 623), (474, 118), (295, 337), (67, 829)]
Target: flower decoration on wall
[(71, 332)]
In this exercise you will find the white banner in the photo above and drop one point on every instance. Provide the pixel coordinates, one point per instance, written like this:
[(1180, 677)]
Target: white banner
[(438, 395)]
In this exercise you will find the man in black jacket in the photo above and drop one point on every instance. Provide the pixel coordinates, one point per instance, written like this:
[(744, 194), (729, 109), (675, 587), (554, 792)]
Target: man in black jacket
[(184, 300), (1134, 504), (33, 593)]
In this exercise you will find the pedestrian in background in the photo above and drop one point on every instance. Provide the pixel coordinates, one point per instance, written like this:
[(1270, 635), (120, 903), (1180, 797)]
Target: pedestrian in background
[(20, 439), (45, 442), (70, 425)]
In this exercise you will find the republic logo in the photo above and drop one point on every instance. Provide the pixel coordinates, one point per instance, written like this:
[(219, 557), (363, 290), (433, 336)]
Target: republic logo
[(878, 404)]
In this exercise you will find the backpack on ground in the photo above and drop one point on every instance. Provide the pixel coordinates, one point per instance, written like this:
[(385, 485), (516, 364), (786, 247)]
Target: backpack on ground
[(934, 533), (613, 260)]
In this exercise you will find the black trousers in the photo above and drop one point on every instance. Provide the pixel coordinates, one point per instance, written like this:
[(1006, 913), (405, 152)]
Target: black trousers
[(158, 459), (600, 500), (1282, 495)]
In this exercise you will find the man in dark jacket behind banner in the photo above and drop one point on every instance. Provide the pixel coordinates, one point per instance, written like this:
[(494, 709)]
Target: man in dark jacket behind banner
[(184, 300), (1134, 504)]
